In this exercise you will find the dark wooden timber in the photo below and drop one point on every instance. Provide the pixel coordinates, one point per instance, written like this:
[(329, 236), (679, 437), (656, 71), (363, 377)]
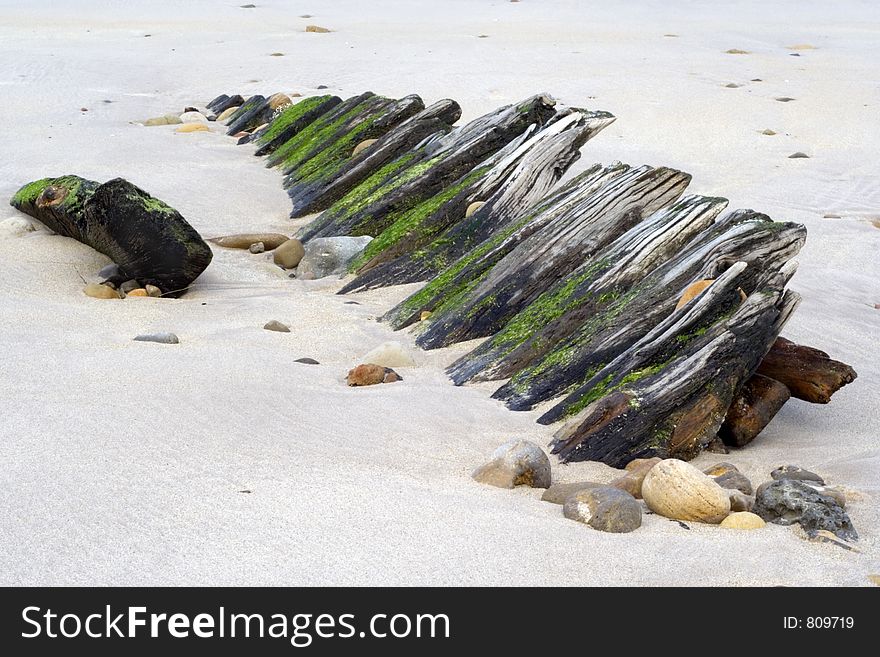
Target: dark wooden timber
[(757, 402), (810, 374)]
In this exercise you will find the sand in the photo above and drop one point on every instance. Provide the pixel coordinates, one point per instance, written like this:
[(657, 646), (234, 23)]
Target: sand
[(220, 461)]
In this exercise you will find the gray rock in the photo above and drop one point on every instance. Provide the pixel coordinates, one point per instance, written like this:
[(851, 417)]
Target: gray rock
[(275, 325), (797, 473), (604, 508), (130, 285), (516, 463), (558, 493), (788, 501), (110, 271), (257, 247), (161, 338), (739, 501), (733, 480), (325, 256), (307, 361)]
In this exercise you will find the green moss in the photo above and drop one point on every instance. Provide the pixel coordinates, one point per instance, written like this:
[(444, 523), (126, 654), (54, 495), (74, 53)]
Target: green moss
[(29, 193), (596, 392), (328, 161), (290, 115), (153, 205)]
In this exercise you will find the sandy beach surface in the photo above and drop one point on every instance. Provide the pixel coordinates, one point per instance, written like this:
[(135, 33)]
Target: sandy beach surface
[(220, 461)]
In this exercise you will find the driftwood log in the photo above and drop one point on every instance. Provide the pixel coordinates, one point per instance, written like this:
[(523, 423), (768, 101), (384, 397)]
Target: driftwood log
[(292, 120), (808, 373), (148, 240), (757, 402)]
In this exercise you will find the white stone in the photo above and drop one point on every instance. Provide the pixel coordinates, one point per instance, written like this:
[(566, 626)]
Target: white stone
[(193, 117)]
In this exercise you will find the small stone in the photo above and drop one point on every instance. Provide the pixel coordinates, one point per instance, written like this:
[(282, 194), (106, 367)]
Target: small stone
[(307, 361), (362, 146), (225, 114), (83, 109), (756, 80), (153, 291), (276, 54), (516, 463), (784, 99), (278, 101), (389, 354), (736, 51), (720, 469), (473, 207), (735, 481), (245, 240), (289, 254), (161, 338), (798, 156), (796, 472), (248, 6), (322, 86), (558, 493), (482, 36), (351, 303), (325, 256), (604, 508), (739, 501), (257, 247), (831, 216), (137, 292), (129, 285), (874, 579), (109, 271), (693, 290), (789, 501), (425, 314), (99, 291), (368, 374), (743, 520), (275, 325), (193, 127), (17, 226), (632, 481), (317, 28), (768, 132), (678, 490), (193, 117), (732, 85)]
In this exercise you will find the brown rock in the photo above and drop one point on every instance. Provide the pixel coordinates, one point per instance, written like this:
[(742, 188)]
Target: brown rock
[(289, 254), (678, 490), (279, 100), (317, 28), (275, 325), (368, 374), (604, 508), (752, 409), (362, 146), (153, 291), (810, 374), (692, 291), (739, 501), (558, 493), (98, 291), (736, 51), (246, 240), (768, 132), (516, 463), (137, 292), (631, 482)]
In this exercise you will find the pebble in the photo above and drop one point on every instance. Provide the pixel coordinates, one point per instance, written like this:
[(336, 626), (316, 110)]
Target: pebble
[(389, 354), (678, 490), (364, 145), (257, 247), (692, 291), (768, 132), (796, 472), (325, 256), (316, 28), (735, 480), (736, 51), (739, 501), (798, 155), (161, 338), (473, 207), (193, 127), (193, 117), (732, 85), (604, 508), (153, 291), (276, 54), (558, 493), (129, 285), (229, 111), (307, 361), (784, 99), (789, 501), (277, 101), (99, 291), (137, 292), (17, 226), (516, 463), (632, 481), (275, 325), (109, 271), (368, 374), (245, 240), (289, 254), (425, 314), (743, 520)]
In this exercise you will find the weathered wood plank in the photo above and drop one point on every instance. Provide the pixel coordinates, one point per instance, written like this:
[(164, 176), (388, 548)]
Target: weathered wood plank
[(810, 374), (292, 120)]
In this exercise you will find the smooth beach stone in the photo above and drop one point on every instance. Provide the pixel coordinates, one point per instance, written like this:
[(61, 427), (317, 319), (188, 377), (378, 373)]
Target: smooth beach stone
[(109, 271), (797, 473), (289, 254), (735, 481), (516, 463), (161, 338), (369, 374), (692, 291), (257, 247), (275, 325), (225, 114), (742, 520), (739, 501), (473, 207), (720, 468), (558, 493), (324, 256), (604, 508), (678, 490), (768, 132), (277, 101), (789, 501), (425, 314), (129, 285), (317, 28), (362, 146), (137, 292), (193, 117), (245, 240), (306, 361), (153, 291), (193, 127), (389, 354), (632, 481), (99, 291), (798, 156)]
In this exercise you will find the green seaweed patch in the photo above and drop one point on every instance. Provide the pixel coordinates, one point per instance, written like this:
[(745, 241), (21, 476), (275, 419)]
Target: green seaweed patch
[(330, 160), (372, 188), (290, 115), (29, 193)]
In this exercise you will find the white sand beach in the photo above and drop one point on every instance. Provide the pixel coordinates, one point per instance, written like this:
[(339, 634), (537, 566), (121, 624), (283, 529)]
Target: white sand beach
[(125, 463)]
